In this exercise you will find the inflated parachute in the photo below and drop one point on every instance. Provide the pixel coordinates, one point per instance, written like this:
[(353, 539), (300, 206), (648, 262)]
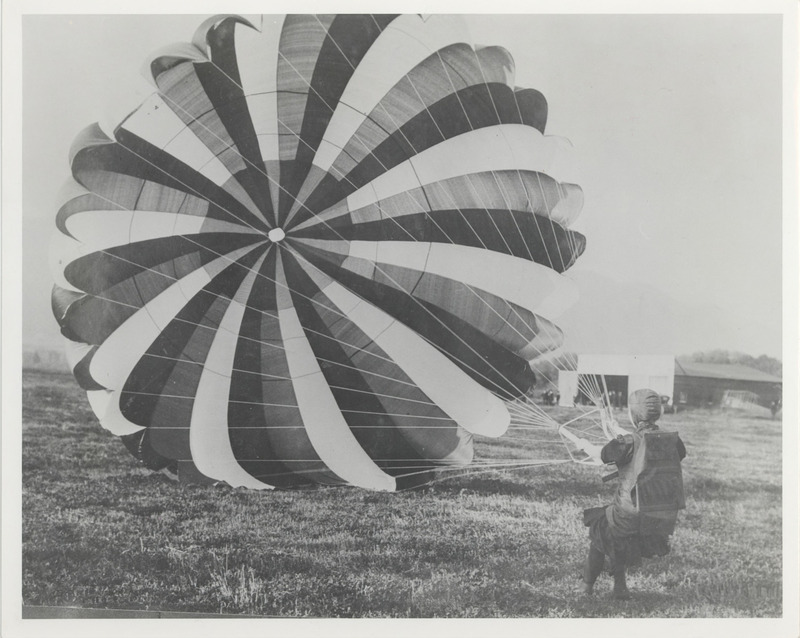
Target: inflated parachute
[(326, 251)]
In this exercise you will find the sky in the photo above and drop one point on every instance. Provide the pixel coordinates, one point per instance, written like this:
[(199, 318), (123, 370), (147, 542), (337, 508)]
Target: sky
[(675, 123)]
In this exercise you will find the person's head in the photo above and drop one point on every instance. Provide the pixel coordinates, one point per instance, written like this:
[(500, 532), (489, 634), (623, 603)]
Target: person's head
[(644, 406)]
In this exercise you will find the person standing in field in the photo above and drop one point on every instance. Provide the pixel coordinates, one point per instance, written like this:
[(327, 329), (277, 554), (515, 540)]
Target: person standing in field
[(638, 523)]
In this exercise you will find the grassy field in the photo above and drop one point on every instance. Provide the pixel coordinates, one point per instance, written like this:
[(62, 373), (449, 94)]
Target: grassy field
[(100, 532)]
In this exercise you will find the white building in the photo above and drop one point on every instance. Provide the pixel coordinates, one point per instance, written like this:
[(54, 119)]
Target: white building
[(619, 373)]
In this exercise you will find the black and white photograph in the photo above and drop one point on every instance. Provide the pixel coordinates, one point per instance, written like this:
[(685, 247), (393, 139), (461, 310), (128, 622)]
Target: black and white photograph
[(453, 321)]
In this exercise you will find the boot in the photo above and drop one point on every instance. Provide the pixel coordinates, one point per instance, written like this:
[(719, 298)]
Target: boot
[(592, 569), (620, 586)]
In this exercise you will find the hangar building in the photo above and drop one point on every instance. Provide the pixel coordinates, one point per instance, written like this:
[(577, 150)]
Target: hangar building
[(704, 384), (687, 384), (621, 373)]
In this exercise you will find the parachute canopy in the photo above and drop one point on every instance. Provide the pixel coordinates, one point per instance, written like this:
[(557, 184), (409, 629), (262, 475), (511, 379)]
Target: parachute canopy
[(326, 250)]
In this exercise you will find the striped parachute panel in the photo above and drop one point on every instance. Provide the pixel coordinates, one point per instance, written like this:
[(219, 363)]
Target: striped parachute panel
[(326, 251)]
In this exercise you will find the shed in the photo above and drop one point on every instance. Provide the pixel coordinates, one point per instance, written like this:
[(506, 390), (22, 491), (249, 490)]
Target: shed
[(620, 374), (704, 384)]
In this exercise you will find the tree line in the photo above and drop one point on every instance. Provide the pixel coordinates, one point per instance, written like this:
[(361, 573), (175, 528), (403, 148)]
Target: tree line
[(770, 365)]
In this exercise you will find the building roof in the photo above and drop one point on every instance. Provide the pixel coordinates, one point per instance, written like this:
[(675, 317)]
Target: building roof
[(723, 371)]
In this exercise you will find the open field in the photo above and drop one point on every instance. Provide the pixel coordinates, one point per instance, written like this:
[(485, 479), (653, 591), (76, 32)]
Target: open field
[(101, 532)]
